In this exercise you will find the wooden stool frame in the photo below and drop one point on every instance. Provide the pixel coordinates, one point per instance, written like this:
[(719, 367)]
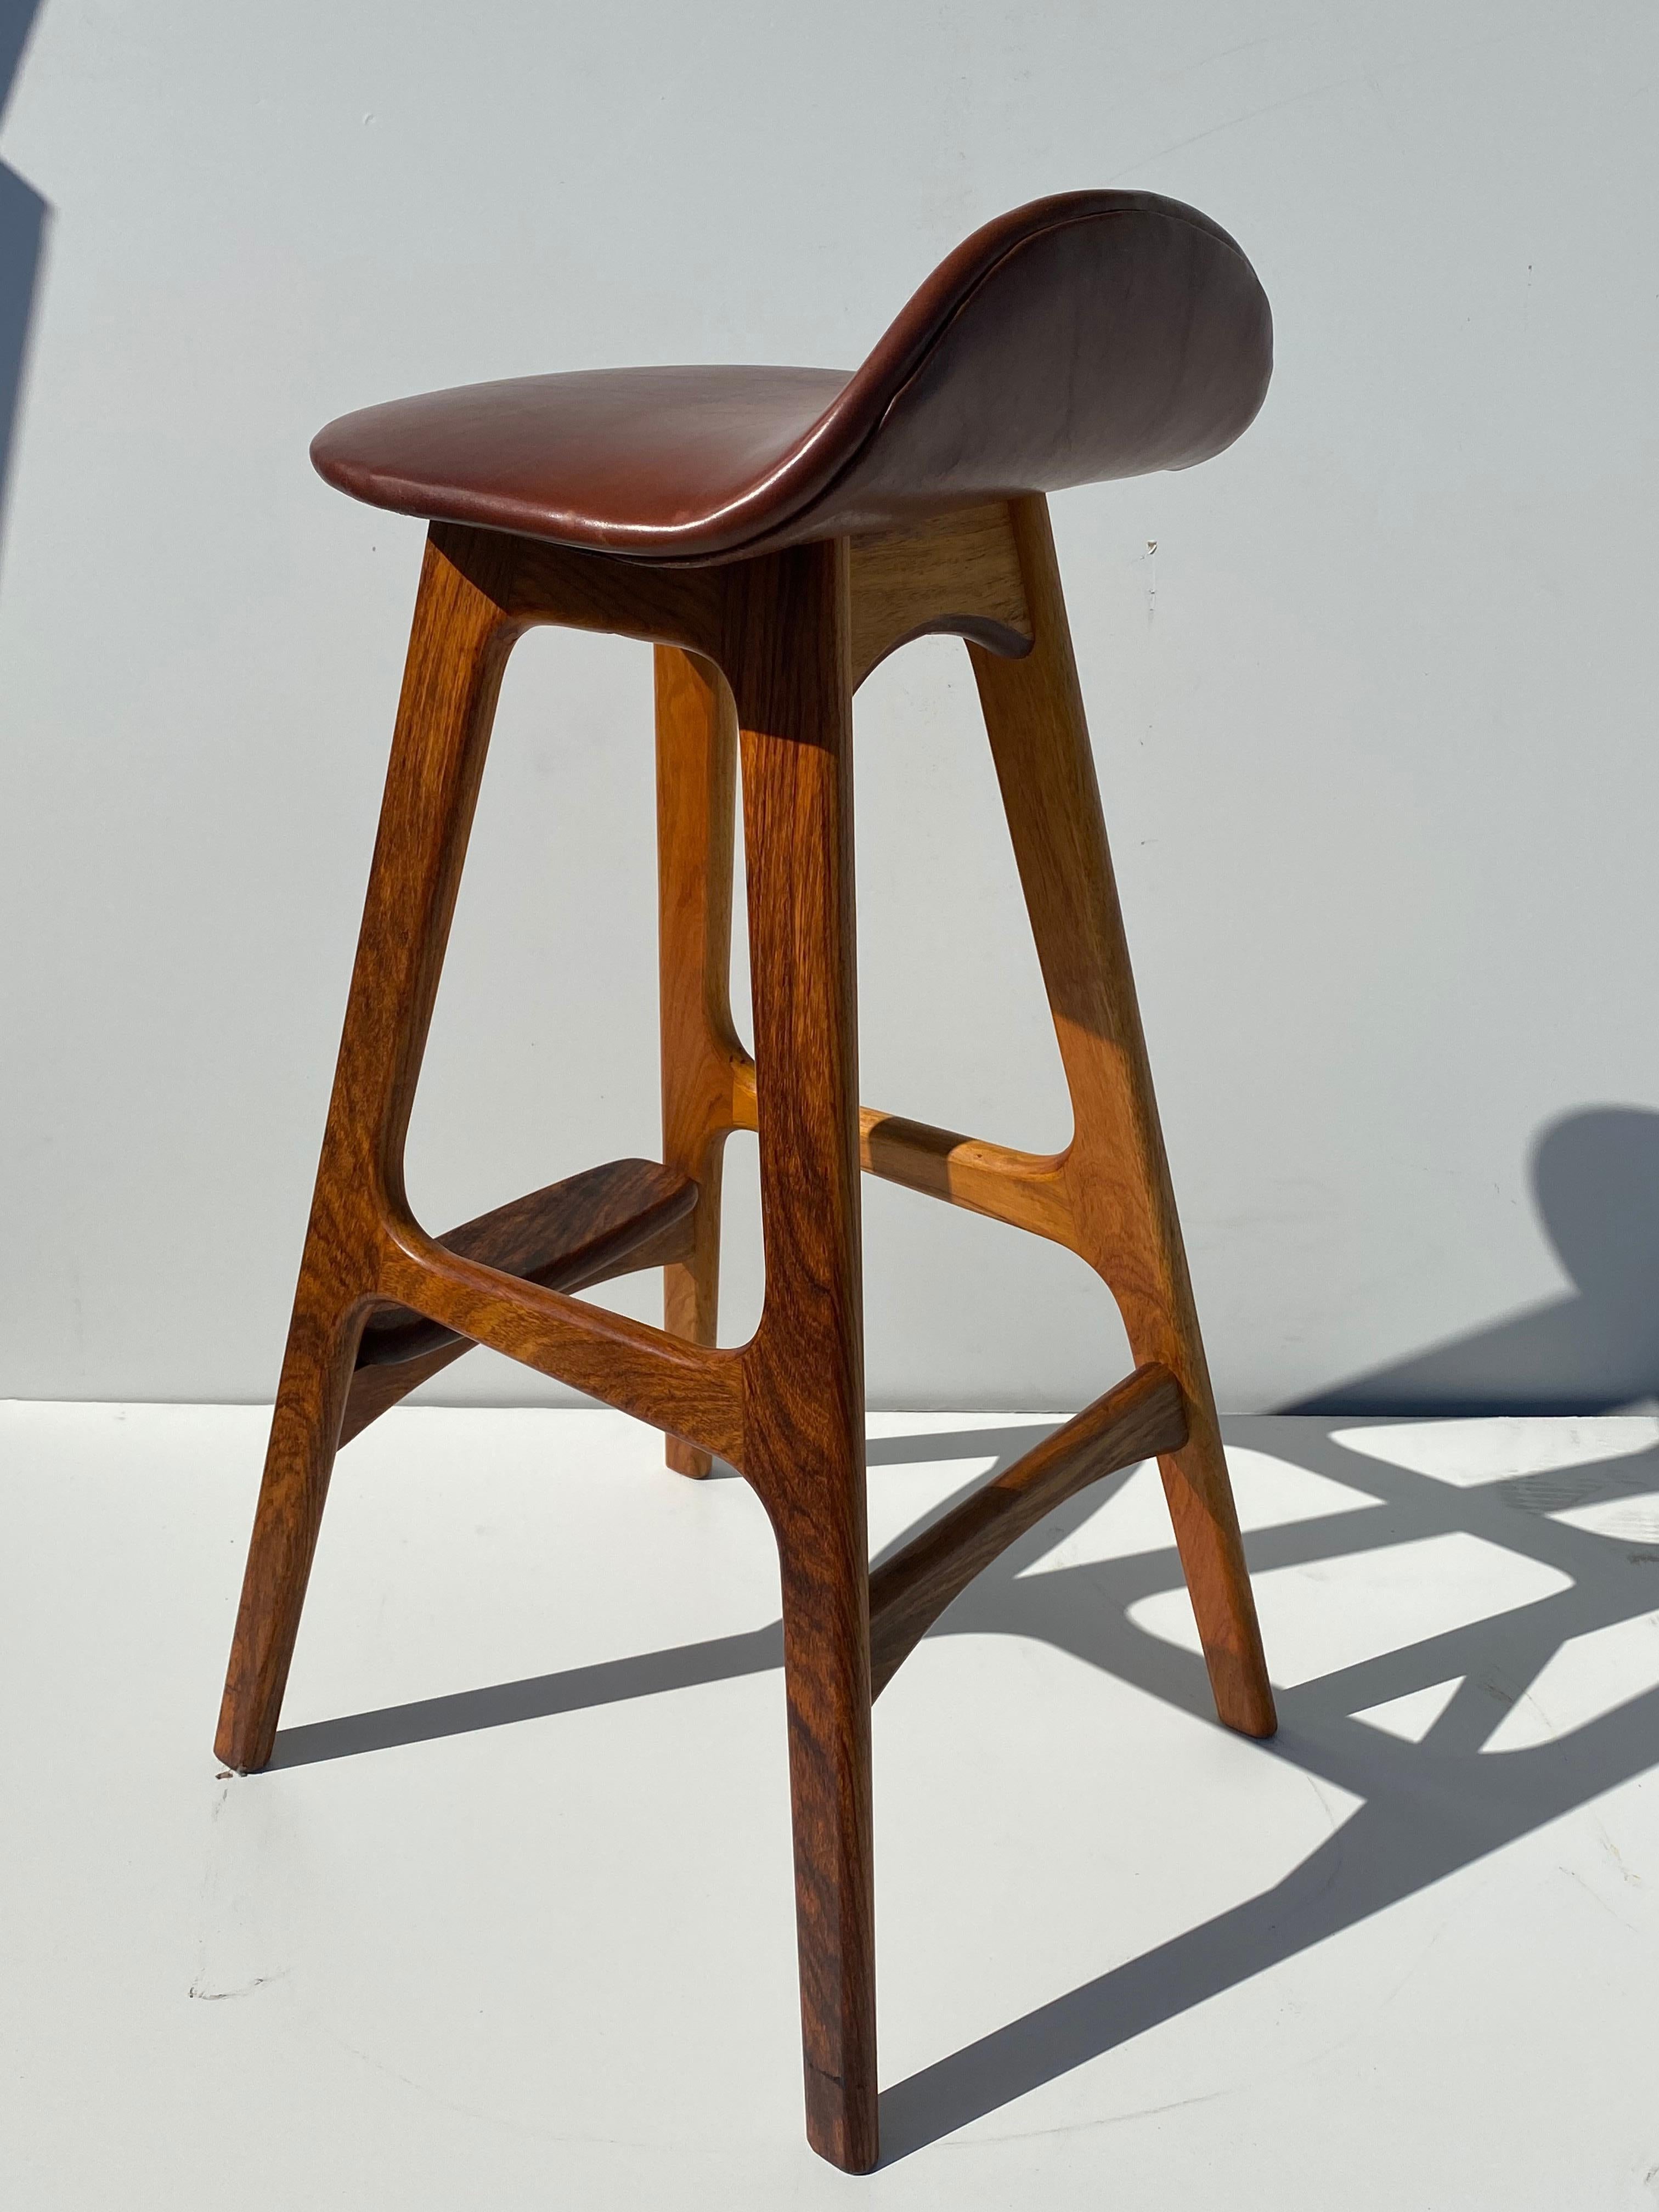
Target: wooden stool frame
[(758, 658)]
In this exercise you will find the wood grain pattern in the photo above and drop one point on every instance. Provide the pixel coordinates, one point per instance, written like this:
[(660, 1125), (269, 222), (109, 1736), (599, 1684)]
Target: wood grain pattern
[(378, 1383), (758, 659), (686, 607), (681, 1388), (696, 797), (585, 1230), (1144, 1414), (1026, 1190), (458, 651), (1116, 1177), (803, 1446), (958, 573)]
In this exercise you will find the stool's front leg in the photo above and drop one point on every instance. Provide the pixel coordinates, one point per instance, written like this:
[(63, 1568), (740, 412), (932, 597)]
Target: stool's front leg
[(696, 799), (458, 650), (804, 1371)]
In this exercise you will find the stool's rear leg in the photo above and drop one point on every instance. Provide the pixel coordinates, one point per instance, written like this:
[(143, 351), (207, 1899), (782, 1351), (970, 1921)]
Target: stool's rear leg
[(1117, 1176), (804, 1372), (697, 799), (456, 652)]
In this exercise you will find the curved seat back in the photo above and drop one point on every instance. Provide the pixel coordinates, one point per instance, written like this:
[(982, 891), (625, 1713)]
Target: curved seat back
[(1090, 335)]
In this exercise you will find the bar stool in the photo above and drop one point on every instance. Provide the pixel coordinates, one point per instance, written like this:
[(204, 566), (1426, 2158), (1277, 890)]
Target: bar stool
[(775, 533)]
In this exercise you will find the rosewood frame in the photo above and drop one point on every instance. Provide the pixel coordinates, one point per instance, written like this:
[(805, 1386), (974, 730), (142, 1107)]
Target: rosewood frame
[(755, 658)]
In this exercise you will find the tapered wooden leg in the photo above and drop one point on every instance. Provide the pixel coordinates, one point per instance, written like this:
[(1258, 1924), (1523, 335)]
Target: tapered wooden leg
[(305, 1428), (1116, 1176), (804, 1377), (826, 1657), (696, 797), (458, 650)]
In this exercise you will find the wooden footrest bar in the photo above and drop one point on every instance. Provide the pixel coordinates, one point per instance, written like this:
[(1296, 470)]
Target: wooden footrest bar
[(1028, 1189), (1143, 1416), (608, 1221)]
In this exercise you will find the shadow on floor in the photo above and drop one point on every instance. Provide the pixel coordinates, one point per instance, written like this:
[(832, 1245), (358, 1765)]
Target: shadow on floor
[(1429, 1807), (681, 1667), (1595, 1184)]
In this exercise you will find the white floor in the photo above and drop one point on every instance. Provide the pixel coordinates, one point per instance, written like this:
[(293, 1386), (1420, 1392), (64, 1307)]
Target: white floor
[(510, 1923)]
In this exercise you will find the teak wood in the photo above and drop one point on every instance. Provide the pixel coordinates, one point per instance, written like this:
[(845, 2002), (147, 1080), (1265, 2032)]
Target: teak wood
[(757, 662)]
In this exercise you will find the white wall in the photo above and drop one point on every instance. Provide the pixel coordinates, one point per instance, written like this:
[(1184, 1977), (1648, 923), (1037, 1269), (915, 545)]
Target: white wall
[(1374, 721)]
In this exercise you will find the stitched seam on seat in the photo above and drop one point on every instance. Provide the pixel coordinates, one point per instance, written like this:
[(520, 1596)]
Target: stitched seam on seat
[(797, 461), (803, 507)]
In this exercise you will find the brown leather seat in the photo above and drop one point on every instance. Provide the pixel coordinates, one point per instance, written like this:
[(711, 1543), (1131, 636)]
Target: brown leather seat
[(1086, 337)]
